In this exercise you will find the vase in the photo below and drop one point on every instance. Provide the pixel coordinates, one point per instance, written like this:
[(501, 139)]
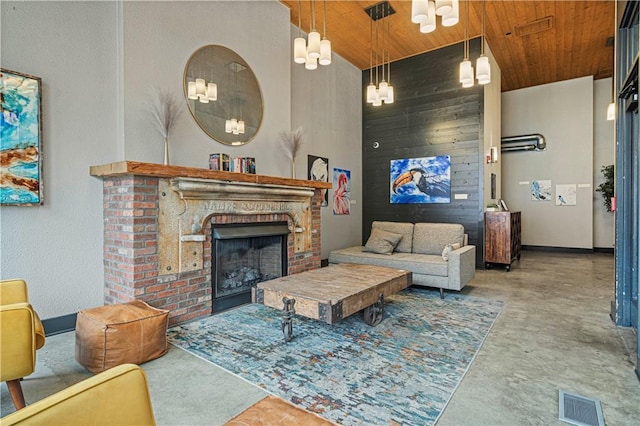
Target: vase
[(293, 170), (166, 151)]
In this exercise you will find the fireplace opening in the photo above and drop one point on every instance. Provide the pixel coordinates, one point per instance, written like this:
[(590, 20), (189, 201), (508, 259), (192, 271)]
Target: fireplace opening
[(244, 255)]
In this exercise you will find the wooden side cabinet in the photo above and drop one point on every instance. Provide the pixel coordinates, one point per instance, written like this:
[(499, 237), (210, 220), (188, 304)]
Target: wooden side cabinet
[(502, 238)]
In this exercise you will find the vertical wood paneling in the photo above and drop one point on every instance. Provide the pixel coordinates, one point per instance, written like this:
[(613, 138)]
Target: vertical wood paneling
[(432, 115)]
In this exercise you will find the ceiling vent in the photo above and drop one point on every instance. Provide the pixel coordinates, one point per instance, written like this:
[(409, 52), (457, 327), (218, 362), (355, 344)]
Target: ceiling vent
[(534, 27), (534, 142)]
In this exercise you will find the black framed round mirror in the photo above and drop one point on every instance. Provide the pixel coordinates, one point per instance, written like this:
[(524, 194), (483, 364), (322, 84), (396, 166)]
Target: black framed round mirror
[(223, 95)]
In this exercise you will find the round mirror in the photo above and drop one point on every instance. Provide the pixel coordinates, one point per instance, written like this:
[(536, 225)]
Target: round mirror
[(223, 95)]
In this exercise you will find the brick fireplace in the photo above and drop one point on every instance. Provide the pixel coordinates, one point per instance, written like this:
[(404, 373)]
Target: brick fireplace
[(158, 221)]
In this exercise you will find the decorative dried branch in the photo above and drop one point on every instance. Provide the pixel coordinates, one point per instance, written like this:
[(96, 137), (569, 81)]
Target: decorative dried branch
[(292, 141), (165, 108)]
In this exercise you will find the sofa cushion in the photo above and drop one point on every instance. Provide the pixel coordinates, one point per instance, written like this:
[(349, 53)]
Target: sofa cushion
[(431, 238), (382, 242), (403, 228), (416, 263), (448, 249)]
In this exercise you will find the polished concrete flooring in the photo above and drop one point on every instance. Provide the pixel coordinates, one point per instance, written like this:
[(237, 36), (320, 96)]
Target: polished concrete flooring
[(553, 334)]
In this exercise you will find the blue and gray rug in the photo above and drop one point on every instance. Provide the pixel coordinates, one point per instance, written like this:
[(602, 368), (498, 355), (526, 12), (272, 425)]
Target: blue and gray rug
[(403, 371)]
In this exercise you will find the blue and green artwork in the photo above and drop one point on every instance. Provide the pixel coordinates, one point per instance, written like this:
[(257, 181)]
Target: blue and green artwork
[(424, 180), (20, 139)]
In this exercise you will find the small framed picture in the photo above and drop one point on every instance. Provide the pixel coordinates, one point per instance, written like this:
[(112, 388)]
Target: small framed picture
[(504, 206)]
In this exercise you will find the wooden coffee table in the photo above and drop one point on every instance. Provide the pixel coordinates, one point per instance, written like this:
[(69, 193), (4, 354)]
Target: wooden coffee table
[(332, 293)]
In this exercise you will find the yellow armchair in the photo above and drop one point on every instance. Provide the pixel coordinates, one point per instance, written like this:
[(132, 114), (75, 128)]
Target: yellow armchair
[(21, 334), (118, 396)]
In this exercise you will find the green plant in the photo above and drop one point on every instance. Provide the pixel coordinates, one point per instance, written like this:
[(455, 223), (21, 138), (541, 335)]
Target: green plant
[(606, 187)]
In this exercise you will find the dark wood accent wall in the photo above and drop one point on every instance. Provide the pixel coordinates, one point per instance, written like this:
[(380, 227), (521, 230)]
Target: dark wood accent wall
[(432, 115)]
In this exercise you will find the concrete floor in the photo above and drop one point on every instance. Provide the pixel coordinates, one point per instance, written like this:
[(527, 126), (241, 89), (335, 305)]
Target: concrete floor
[(554, 334)]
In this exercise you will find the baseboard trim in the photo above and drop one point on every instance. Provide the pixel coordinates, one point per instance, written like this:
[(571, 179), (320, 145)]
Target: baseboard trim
[(559, 249), (58, 325), (608, 250)]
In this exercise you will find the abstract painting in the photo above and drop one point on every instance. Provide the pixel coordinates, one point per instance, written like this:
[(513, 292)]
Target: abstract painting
[(342, 192), (20, 139), (318, 169), (421, 180), (541, 190), (566, 195)]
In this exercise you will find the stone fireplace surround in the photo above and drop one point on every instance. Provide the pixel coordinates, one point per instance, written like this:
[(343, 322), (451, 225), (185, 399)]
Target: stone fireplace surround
[(157, 229)]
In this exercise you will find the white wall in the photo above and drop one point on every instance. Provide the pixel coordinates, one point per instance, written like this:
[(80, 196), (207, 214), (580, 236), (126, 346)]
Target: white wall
[(604, 150), (98, 61), (327, 104), (491, 130), (563, 113), (57, 247)]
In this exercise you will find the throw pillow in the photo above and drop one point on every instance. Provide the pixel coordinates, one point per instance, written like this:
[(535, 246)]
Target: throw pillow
[(448, 249), (382, 242)]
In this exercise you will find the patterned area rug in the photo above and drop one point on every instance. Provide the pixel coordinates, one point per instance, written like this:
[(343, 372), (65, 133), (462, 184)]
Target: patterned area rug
[(402, 371)]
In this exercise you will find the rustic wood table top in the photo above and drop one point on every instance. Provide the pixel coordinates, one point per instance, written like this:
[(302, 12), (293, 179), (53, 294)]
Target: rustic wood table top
[(334, 292)]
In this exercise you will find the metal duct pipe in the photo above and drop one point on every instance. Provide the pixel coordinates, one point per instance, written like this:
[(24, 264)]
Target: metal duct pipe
[(523, 143)]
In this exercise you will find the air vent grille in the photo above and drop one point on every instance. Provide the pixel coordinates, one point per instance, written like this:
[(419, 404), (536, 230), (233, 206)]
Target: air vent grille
[(580, 410), (533, 27)]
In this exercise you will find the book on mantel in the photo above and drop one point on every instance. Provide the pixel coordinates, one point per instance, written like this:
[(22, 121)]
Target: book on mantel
[(219, 161), (222, 162)]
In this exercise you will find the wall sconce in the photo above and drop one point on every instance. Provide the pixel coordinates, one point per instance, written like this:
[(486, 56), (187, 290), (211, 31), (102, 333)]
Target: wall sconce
[(611, 111), (492, 156)]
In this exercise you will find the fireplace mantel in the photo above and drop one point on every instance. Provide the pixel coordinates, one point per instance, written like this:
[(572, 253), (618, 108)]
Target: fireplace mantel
[(161, 171)]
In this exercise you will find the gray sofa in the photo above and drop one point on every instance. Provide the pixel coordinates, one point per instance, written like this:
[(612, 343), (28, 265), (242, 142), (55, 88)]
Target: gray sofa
[(429, 250)]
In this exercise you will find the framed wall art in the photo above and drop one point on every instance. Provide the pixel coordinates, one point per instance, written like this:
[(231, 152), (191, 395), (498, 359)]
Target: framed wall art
[(20, 139), (318, 169), (541, 190), (566, 195), (424, 180), (342, 192)]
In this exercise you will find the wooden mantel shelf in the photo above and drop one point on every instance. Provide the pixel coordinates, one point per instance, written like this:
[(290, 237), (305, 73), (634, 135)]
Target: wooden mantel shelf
[(159, 170)]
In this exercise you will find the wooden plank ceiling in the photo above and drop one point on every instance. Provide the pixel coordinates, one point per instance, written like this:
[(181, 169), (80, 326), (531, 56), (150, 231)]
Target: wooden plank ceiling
[(574, 46)]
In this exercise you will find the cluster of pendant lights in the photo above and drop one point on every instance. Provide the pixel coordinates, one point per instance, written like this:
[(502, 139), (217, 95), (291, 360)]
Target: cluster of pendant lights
[(382, 92), (483, 68), (202, 91), (234, 126), (424, 12), (316, 50)]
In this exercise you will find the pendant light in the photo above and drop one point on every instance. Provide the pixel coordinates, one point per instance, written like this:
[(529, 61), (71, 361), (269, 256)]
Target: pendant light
[(377, 101), (299, 44), (325, 44), (483, 68), (453, 17), (383, 87), (371, 88), (234, 125), (466, 69), (424, 12), (390, 95)]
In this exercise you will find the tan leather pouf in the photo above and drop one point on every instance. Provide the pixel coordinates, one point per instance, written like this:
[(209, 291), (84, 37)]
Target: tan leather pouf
[(111, 335)]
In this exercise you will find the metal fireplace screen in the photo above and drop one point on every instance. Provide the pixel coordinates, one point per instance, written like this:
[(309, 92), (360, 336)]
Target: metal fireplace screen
[(244, 256)]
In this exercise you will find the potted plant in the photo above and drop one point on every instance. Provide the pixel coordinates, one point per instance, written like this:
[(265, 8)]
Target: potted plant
[(492, 207), (606, 187)]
